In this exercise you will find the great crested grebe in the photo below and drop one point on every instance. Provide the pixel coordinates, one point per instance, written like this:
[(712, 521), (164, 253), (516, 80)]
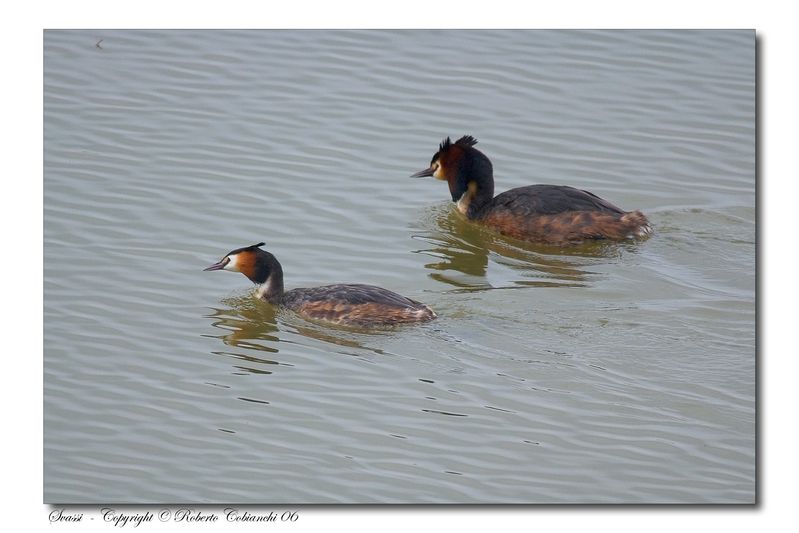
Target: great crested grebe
[(352, 304), (550, 214)]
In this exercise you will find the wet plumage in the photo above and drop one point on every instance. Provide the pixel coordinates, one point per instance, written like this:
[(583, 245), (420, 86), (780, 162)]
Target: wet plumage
[(552, 214), (356, 304), (348, 304)]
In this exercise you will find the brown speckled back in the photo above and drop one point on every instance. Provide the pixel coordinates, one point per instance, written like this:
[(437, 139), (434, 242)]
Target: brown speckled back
[(555, 214), (355, 304)]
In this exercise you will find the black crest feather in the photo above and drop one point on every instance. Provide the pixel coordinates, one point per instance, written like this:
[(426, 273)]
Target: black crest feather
[(246, 248), (466, 140)]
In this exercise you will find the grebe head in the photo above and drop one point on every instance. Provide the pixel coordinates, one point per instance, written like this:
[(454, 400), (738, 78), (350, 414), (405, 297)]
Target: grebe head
[(250, 261), (466, 169)]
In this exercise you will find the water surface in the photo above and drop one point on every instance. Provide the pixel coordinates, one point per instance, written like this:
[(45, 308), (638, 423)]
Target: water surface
[(594, 374)]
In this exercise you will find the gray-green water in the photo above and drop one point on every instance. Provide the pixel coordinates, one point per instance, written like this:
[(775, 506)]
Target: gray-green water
[(609, 373)]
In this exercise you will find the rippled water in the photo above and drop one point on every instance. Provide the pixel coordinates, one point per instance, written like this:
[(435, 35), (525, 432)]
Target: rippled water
[(604, 373)]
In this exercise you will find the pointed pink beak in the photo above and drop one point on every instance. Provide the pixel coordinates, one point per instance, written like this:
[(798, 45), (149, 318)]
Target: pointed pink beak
[(423, 173), (218, 266)]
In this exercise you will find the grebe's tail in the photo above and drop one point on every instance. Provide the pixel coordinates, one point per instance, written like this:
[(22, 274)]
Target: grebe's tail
[(636, 224)]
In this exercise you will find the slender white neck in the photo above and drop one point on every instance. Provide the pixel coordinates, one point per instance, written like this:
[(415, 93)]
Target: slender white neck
[(271, 290)]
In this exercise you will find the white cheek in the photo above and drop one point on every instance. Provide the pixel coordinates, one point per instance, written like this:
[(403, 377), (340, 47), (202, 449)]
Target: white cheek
[(231, 265)]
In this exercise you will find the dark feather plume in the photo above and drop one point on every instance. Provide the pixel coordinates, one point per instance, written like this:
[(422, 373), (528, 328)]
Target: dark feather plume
[(247, 248), (466, 140)]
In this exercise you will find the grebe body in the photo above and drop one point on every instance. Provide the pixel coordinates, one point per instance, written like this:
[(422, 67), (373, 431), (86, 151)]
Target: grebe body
[(550, 214), (346, 304)]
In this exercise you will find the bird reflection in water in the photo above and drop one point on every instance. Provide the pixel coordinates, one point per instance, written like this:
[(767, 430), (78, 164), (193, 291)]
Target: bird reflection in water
[(251, 324), (462, 251)]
